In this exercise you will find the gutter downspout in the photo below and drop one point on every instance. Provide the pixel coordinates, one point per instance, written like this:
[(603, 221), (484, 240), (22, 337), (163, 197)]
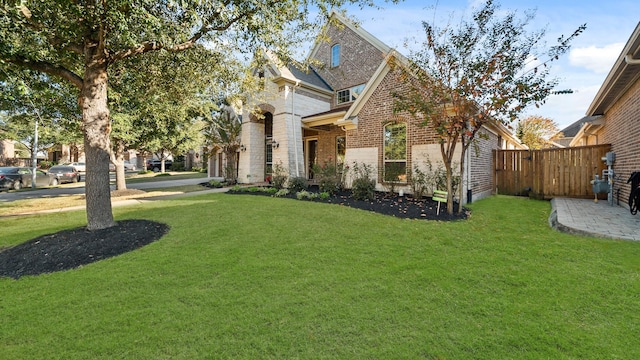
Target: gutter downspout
[(630, 60), (293, 116)]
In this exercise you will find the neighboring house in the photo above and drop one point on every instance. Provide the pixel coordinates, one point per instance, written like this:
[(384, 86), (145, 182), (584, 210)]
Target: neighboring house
[(7, 150), (65, 153), (580, 133), (616, 109), (342, 112)]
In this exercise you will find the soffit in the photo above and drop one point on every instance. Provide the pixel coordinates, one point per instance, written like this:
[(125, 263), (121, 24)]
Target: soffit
[(621, 77)]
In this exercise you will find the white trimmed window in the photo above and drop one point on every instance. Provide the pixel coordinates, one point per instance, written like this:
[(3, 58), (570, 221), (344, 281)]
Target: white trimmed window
[(348, 95), (395, 152), (335, 55)]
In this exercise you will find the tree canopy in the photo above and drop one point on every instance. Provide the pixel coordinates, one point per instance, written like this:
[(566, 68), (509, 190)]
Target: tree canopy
[(28, 96), (488, 69), (77, 42), (536, 132)]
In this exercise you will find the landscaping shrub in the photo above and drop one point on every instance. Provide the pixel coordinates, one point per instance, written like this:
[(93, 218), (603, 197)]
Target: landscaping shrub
[(330, 177), (363, 186), (440, 178), (305, 195), (419, 182), (281, 193), (297, 184), (177, 166), (216, 184), (279, 176)]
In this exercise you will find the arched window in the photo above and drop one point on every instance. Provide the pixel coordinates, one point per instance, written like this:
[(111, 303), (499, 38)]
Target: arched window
[(395, 152), (335, 55)]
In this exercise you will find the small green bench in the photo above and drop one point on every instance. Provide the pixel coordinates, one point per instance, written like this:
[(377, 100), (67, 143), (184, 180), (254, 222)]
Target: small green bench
[(440, 197)]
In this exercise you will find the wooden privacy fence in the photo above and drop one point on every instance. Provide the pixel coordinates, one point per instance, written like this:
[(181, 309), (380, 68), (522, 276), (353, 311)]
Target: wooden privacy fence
[(549, 173)]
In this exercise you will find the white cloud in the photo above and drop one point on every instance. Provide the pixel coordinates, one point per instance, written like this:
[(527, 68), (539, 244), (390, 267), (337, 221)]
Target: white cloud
[(597, 59)]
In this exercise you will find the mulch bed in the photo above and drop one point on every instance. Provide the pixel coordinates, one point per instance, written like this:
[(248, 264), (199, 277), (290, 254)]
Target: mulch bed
[(405, 207), (70, 249)]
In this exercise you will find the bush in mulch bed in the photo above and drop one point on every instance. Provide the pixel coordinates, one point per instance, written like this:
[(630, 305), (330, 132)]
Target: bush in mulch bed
[(405, 207)]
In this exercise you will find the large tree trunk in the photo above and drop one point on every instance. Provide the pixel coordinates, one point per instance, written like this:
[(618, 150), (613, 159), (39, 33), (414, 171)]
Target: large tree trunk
[(96, 128)]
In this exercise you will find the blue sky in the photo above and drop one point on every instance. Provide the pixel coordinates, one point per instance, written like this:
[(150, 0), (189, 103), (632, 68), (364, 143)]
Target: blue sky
[(583, 69)]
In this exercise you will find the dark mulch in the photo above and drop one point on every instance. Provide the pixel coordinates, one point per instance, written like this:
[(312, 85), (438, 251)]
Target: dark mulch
[(70, 249), (405, 207)]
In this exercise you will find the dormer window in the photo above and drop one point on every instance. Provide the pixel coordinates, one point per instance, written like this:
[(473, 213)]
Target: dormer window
[(348, 95), (335, 55)]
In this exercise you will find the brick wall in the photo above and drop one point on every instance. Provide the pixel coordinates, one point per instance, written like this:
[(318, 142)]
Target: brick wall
[(622, 131), (422, 141), (358, 59), (377, 112), (327, 144), (481, 164)]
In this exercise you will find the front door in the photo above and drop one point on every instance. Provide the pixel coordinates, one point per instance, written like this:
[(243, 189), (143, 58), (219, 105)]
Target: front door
[(312, 156)]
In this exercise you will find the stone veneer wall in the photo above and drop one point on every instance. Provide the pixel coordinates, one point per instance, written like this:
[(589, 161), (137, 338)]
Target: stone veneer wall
[(287, 132)]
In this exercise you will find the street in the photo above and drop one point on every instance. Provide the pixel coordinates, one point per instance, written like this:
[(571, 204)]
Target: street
[(78, 188)]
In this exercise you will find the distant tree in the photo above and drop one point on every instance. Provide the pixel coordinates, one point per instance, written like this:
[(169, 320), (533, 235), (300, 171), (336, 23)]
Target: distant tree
[(536, 131), (156, 103), (485, 70), (29, 96), (78, 41)]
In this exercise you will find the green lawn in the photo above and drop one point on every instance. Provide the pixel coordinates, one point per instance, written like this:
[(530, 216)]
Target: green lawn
[(251, 277)]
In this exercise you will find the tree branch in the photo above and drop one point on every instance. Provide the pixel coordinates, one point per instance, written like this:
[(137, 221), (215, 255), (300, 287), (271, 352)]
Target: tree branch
[(148, 46), (48, 68), (40, 28)]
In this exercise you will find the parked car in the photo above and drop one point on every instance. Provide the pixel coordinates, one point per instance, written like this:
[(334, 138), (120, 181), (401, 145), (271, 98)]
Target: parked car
[(14, 177), (128, 166), (155, 165), (64, 173), (80, 166)]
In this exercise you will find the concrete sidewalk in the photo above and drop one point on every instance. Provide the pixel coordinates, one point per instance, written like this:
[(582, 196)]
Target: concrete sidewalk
[(586, 217)]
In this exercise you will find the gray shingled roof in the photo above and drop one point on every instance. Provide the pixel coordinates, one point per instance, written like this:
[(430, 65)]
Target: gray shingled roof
[(310, 77), (572, 130)]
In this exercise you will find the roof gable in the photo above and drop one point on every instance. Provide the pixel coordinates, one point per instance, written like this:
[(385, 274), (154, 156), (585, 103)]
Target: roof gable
[(336, 17)]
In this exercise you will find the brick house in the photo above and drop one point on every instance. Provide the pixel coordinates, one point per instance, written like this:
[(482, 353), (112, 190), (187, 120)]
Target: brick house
[(341, 112), (614, 115)]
